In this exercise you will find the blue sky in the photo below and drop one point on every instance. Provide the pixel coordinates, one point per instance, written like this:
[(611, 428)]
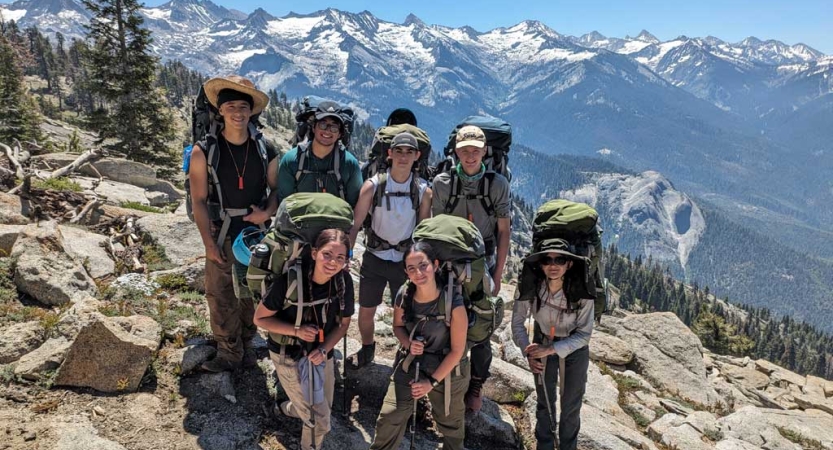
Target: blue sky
[(790, 21)]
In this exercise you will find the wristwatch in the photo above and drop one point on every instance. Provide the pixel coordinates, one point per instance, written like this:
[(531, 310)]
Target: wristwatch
[(323, 351), (434, 382)]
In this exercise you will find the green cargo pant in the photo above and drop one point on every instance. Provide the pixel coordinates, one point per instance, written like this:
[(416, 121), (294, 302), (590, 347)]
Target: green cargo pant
[(232, 319), (398, 408)]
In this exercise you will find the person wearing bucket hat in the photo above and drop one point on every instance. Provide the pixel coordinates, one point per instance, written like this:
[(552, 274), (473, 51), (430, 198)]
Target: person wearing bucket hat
[(230, 174), (559, 353), (481, 196), (322, 164), (395, 201)]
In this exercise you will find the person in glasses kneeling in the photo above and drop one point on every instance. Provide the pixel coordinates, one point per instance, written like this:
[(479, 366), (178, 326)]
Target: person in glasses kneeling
[(306, 315), (430, 323), (561, 327)]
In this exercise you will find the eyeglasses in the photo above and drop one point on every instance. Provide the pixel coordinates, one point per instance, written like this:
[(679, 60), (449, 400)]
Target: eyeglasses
[(422, 267), (558, 260), (340, 259), (328, 126)]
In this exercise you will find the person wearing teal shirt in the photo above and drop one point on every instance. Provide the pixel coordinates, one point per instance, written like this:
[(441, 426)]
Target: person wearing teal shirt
[(322, 164)]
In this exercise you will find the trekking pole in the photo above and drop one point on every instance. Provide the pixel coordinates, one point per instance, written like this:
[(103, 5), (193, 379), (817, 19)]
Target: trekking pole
[(416, 380), (312, 399), (345, 410), (543, 384)]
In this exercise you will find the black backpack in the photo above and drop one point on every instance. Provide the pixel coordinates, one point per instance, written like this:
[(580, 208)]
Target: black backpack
[(305, 119), (206, 125)]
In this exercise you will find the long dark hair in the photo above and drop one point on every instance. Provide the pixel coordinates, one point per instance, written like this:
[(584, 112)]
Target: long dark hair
[(325, 237), (431, 254)]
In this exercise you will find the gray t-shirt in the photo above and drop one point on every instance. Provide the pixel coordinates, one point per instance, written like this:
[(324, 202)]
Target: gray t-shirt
[(498, 194)]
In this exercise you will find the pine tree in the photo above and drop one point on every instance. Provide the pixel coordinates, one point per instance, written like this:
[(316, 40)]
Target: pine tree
[(122, 72), (20, 118)]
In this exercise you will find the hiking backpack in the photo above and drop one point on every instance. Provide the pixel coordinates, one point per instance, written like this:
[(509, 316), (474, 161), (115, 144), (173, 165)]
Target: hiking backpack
[(381, 198), (576, 223), (206, 125), (498, 140), (462, 253), (305, 120), (288, 244), (377, 156)]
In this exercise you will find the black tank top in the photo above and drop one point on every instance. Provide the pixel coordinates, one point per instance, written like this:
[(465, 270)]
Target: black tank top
[(254, 186)]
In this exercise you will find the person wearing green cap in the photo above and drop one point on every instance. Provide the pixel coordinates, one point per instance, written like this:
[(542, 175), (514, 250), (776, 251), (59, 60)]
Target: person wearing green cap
[(561, 335)]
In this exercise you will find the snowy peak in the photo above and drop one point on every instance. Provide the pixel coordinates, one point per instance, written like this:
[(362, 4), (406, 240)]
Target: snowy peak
[(774, 52), (645, 36), (188, 14)]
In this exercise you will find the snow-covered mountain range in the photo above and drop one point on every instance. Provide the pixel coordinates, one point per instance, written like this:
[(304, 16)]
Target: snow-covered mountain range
[(723, 120)]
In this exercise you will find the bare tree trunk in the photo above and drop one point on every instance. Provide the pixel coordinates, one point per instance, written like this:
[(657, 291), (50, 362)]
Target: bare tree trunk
[(18, 168), (86, 157)]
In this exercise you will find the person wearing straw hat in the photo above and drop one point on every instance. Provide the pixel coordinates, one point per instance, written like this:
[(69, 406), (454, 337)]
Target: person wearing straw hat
[(559, 354), (230, 173)]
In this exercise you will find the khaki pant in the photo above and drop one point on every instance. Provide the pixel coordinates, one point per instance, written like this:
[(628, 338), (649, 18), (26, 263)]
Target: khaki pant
[(398, 408), (299, 406), (232, 319)]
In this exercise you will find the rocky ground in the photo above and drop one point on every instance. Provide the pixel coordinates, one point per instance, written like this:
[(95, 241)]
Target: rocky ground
[(93, 356)]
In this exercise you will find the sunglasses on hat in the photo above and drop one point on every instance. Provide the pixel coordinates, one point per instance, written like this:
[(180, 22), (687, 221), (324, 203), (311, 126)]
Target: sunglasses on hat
[(558, 260)]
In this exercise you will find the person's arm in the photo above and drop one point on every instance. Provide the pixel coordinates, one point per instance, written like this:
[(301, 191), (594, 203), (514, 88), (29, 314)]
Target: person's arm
[(520, 314), (353, 182), (198, 178), (286, 175), (399, 329), (258, 215), (459, 328), (361, 209), (503, 235), (425, 205), (440, 196)]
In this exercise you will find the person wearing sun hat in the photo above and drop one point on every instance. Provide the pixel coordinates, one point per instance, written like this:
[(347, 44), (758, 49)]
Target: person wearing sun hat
[(228, 196), (560, 344)]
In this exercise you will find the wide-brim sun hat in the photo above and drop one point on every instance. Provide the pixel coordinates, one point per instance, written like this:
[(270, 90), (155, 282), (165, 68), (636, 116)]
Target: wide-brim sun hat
[(237, 83), (553, 245)]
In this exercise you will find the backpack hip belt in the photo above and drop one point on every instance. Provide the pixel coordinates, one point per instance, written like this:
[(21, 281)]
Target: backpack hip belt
[(374, 242)]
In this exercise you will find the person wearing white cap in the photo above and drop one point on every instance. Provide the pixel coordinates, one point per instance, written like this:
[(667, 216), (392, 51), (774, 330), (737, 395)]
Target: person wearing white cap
[(228, 195), (481, 196)]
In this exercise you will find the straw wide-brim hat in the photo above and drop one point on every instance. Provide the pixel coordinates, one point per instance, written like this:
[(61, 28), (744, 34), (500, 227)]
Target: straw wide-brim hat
[(236, 83)]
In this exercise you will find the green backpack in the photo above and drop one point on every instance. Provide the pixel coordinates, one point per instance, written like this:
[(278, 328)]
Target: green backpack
[(377, 157), (575, 223), (461, 250), (299, 220)]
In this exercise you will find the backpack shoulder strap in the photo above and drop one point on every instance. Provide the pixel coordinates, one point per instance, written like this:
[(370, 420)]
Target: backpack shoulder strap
[(341, 152), (415, 191), (302, 159), (485, 192), (381, 186), (454, 193)]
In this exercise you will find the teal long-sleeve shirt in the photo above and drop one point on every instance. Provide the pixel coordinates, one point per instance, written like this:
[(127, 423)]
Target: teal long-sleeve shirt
[(320, 180)]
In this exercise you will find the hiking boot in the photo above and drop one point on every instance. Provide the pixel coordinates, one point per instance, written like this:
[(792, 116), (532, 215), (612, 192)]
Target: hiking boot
[(249, 358), (365, 355), (218, 365), (473, 398)]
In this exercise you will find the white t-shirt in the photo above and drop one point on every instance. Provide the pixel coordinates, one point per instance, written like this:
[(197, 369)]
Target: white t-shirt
[(398, 223)]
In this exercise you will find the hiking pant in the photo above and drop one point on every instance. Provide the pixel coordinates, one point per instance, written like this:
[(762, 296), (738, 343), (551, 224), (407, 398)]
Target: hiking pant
[(232, 319), (574, 384), (299, 407), (481, 354), (398, 409)]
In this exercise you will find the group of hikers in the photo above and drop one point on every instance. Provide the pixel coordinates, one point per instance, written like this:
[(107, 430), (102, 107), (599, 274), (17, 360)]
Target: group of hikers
[(439, 246)]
